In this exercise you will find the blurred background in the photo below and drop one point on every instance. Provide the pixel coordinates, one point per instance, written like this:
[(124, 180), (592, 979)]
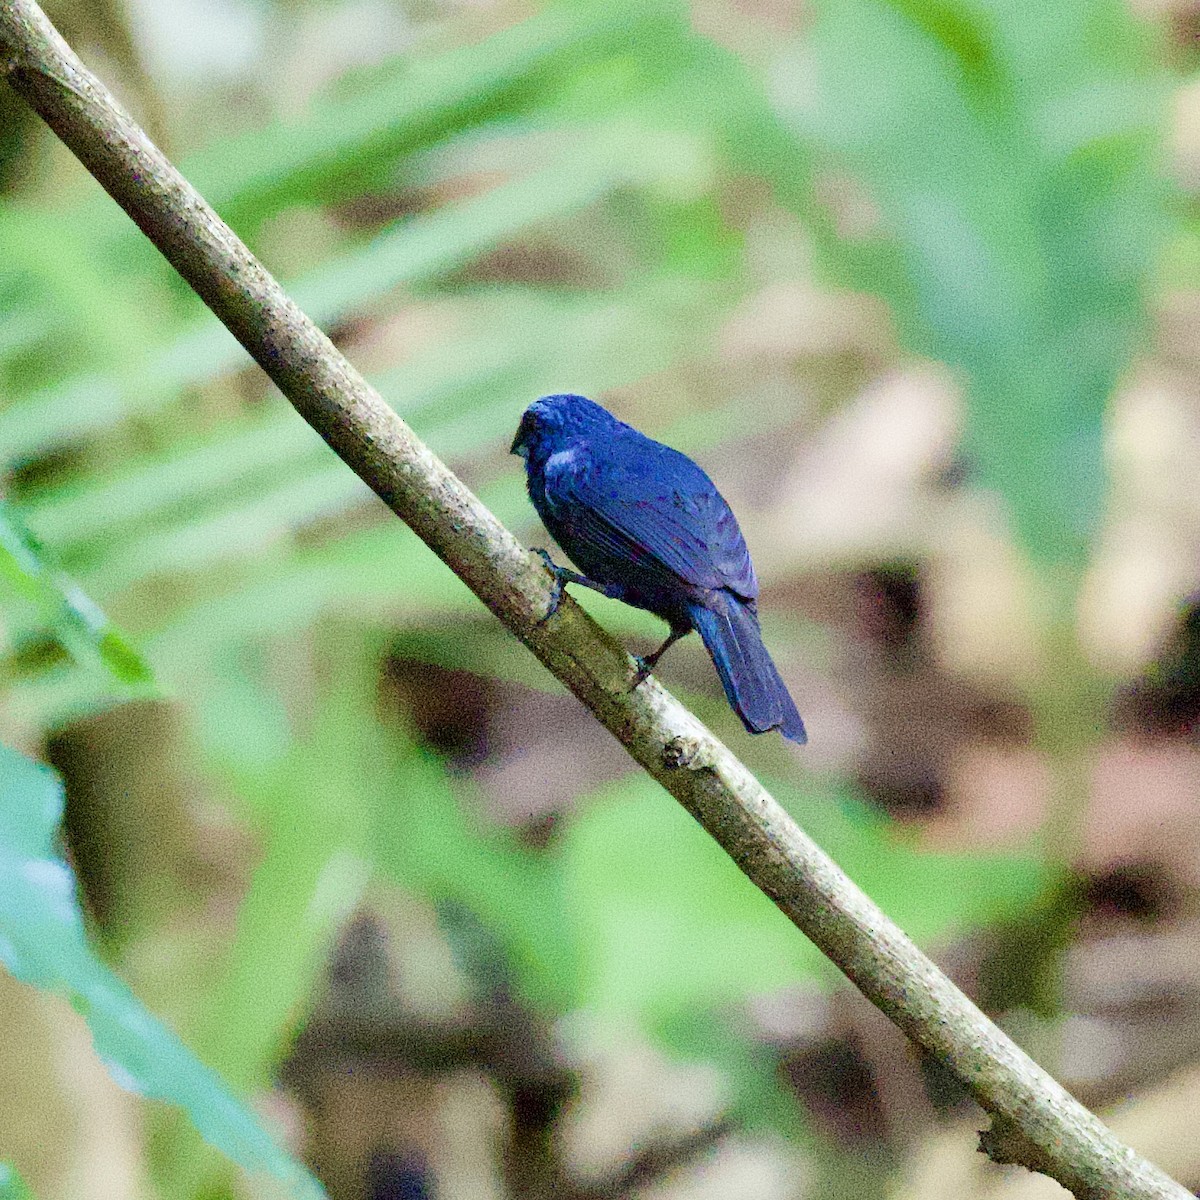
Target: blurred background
[(359, 886)]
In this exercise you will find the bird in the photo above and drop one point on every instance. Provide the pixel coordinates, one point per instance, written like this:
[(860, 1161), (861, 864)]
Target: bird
[(647, 526)]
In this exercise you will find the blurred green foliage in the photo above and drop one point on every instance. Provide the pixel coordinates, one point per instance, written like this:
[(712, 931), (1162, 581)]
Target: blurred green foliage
[(1012, 157), (1004, 158)]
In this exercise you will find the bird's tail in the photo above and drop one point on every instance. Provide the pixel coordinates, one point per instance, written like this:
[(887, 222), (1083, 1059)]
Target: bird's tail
[(731, 635)]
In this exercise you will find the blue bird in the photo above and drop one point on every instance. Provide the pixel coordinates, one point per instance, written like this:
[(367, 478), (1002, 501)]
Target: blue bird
[(647, 526)]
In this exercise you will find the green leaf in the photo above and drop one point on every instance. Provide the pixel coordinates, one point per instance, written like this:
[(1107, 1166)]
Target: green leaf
[(670, 925), (62, 608), (666, 921), (314, 820), (12, 1186), (42, 942)]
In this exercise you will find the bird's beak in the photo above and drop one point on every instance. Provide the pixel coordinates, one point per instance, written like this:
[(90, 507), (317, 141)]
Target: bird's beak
[(520, 445)]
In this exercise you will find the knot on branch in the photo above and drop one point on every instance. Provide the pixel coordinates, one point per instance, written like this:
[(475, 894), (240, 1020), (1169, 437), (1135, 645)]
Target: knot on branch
[(1006, 1145), (687, 753)]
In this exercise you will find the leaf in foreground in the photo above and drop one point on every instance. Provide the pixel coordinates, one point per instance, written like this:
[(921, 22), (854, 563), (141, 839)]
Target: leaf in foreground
[(12, 1186), (42, 942)]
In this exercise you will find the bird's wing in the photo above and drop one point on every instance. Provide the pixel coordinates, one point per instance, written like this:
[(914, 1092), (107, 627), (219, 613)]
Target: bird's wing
[(653, 507)]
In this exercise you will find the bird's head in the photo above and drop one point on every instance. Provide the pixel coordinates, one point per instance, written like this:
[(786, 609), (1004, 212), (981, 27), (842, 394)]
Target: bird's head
[(549, 423)]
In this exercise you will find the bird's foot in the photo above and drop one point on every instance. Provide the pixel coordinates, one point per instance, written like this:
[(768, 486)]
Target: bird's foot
[(645, 664), (561, 576)]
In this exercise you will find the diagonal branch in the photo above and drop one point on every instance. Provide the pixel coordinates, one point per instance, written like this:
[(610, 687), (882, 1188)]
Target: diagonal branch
[(1061, 1137)]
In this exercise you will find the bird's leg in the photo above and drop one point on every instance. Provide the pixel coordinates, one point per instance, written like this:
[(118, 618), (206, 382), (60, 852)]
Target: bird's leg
[(646, 663), (563, 576)]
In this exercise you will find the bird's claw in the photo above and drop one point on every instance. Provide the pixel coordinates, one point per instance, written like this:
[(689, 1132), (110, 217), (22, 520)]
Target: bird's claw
[(556, 588), (642, 673)]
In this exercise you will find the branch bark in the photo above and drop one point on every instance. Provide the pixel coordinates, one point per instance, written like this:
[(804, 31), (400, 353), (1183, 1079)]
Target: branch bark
[(944, 1165), (1064, 1139)]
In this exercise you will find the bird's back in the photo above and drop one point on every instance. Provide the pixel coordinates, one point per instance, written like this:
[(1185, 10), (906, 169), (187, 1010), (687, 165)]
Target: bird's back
[(633, 505)]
